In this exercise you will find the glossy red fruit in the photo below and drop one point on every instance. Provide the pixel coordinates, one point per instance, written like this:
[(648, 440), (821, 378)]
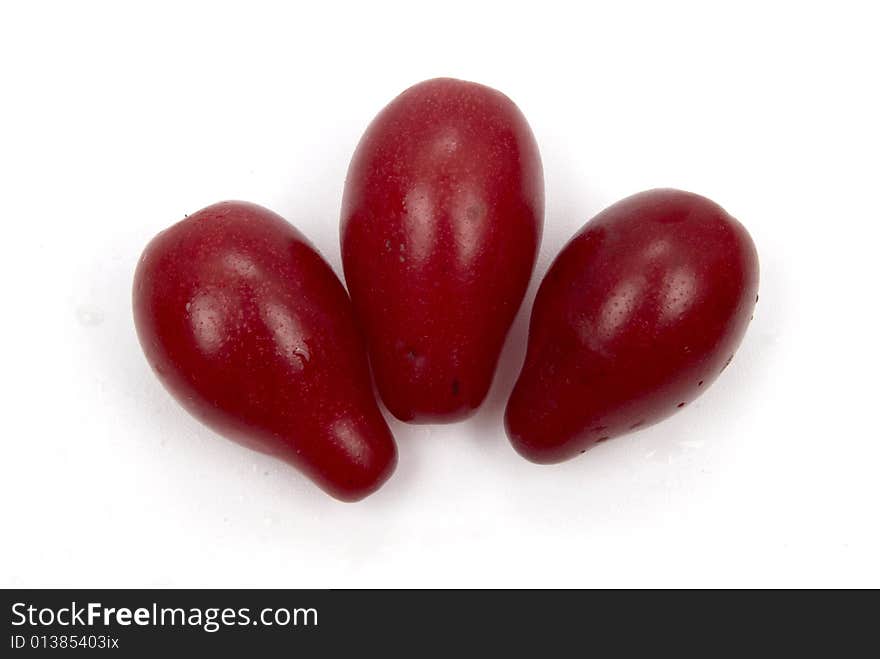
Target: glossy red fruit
[(637, 315), (441, 222), (252, 332)]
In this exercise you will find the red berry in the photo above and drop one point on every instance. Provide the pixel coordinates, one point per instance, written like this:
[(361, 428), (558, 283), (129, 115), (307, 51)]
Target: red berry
[(441, 222), (638, 314), (250, 329)]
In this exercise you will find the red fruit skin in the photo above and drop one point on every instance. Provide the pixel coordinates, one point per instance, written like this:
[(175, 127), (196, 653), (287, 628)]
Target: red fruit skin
[(251, 331), (636, 317), (441, 221)]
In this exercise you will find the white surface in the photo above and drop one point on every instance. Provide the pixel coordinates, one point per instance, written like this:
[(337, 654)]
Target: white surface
[(116, 121)]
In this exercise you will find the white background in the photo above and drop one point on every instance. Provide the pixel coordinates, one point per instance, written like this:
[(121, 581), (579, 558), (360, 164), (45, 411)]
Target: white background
[(119, 118)]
